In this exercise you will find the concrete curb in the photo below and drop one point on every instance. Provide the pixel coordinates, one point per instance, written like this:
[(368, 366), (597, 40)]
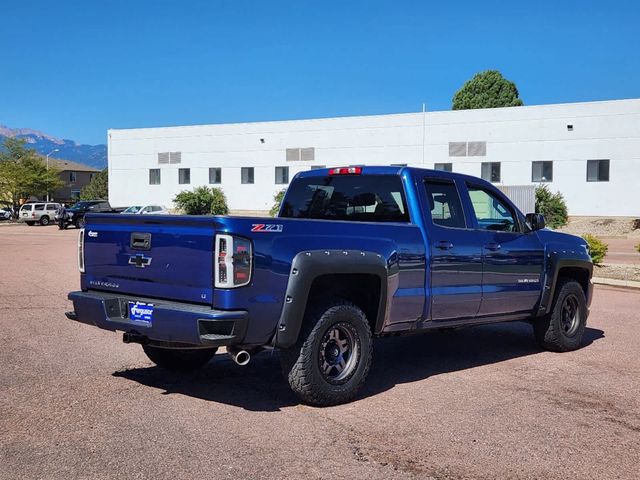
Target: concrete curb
[(615, 282)]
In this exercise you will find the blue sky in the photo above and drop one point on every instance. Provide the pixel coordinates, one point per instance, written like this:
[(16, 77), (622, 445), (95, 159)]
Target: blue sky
[(75, 68)]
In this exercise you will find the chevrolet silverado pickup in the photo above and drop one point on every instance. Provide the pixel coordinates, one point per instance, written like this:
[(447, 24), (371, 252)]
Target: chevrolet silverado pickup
[(354, 253)]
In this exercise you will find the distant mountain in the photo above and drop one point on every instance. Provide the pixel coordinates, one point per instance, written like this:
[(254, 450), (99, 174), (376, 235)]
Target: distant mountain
[(92, 155)]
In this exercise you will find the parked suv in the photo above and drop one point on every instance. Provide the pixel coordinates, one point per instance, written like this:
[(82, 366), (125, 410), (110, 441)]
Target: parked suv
[(38, 212)]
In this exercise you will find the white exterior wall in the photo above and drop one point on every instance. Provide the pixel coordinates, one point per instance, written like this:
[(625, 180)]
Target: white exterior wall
[(515, 137)]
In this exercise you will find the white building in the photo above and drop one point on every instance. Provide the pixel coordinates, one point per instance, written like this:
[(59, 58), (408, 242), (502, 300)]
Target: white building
[(588, 151)]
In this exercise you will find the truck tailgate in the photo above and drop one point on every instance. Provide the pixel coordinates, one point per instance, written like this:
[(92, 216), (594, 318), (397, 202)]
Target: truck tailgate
[(165, 256)]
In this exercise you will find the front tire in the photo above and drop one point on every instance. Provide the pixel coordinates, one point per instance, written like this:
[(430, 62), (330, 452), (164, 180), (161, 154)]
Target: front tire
[(331, 359), (562, 330), (80, 222), (178, 359)]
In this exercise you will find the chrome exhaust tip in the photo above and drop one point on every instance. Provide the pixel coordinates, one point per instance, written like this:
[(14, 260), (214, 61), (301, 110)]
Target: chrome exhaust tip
[(241, 357)]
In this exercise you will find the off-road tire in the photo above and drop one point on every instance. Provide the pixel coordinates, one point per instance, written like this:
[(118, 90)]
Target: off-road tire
[(44, 220), (301, 363), (551, 332), (180, 360)]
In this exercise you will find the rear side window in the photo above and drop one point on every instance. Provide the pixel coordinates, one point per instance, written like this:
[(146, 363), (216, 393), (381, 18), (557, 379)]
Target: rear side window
[(444, 203), (359, 198), (39, 206)]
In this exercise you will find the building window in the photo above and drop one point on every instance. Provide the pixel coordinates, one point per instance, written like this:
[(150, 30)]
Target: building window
[(282, 175), (184, 176), (542, 171), (491, 171), (154, 176), (75, 194), (215, 175), (72, 177), (597, 170), (247, 174), (445, 167)]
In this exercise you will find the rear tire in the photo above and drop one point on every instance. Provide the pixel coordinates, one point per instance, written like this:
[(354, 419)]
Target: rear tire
[(331, 359), (44, 221), (562, 330), (180, 360)]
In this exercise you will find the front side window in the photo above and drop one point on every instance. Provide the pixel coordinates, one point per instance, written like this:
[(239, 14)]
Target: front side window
[(491, 212), (542, 171), (154, 176), (215, 176), (247, 175), (184, 176), (444, 203), (282, 175), (369, 198), (491, 171), (445, 167), (597, 170)]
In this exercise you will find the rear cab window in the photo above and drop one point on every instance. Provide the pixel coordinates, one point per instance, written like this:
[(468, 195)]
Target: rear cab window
[(358, 198)]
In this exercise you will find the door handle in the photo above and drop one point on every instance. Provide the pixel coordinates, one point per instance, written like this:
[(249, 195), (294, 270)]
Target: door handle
[(444, 245), (493, 246)]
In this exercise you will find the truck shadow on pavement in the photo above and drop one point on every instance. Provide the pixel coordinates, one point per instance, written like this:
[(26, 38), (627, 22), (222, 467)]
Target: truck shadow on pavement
[(260, 386)]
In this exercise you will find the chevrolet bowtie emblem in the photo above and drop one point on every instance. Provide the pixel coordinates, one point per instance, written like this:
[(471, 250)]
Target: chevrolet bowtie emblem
[(140, 261)]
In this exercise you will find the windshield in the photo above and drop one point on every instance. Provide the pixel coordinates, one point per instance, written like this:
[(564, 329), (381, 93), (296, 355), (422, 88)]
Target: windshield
[(366, 198), (134, 209), (81, 206)]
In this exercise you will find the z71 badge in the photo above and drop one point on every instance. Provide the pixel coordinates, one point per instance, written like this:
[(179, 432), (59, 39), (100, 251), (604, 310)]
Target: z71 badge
[(266, 227)]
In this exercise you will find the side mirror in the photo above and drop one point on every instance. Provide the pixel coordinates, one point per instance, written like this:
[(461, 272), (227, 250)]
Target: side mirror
[(536, 221)]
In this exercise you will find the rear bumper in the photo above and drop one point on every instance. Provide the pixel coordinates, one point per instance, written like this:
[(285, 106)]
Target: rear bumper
[(172, 323)]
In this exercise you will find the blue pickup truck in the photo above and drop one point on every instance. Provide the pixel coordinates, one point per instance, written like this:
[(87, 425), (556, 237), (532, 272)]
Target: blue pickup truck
[(354, 253)]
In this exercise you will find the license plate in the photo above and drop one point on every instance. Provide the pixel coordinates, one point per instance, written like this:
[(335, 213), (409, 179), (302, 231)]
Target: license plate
[(141, 312)]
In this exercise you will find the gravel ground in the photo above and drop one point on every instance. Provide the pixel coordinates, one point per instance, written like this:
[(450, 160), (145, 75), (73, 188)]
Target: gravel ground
[(478, 403), (599, 226), (619, 271)]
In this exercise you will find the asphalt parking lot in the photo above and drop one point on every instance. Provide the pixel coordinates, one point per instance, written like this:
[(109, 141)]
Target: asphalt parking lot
[(485, 402)]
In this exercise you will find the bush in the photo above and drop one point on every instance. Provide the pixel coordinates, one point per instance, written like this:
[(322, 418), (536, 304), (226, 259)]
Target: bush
[(277, 199), (597, 248), (202, 201), (552, 206)]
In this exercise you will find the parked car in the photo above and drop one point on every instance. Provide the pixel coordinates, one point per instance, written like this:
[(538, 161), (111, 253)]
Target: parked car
[(146, 210), (38, 212), (6, 213), (355, 253), (76, 213)]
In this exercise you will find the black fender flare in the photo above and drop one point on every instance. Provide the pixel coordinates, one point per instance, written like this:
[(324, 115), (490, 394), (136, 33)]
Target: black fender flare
[(555, 263), (309, 265)]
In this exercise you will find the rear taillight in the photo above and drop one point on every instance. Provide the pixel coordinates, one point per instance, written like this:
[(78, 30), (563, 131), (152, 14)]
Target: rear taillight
[(346, 171), (81, 250), (233, 259)]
